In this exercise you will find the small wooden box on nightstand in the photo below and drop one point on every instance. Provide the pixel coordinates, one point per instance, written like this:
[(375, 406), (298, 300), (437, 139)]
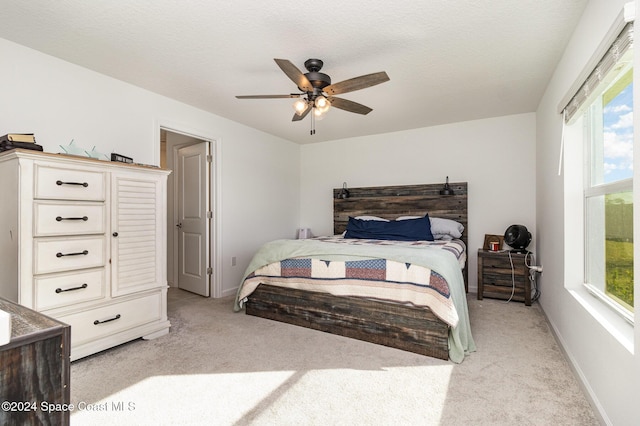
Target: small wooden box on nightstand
[(497, 279)]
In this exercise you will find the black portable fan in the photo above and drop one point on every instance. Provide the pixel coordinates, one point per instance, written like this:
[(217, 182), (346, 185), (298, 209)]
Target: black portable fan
[(517, 237)]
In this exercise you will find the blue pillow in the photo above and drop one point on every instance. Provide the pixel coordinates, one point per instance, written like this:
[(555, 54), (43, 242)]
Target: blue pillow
[(401, 230)]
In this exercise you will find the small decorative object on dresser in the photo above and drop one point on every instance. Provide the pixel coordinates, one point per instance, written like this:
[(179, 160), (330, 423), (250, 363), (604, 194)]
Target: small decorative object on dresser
[(121, 158), (504, 275), (84, 241)]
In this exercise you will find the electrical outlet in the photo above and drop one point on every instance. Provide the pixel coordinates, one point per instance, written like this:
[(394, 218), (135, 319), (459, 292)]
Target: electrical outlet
[(536, 268), (233, 261)]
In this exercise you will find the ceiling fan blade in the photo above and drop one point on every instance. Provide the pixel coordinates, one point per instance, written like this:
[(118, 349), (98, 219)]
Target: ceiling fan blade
[(294, 74), (267, 96), (357, 83), (297, 117), (348, 105)]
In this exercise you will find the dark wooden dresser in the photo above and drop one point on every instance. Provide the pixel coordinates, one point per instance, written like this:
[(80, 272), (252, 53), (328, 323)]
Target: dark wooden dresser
[(34, 369), (499, 280)]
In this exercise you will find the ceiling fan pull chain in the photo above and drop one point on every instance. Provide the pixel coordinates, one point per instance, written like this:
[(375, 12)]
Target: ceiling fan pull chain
[(313, 123)]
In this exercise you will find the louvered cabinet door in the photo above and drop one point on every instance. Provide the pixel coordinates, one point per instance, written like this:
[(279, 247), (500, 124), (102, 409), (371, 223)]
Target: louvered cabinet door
[(138, 235)]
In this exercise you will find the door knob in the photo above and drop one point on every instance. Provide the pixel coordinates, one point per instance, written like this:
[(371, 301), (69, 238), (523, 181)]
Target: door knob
[(179, 225)]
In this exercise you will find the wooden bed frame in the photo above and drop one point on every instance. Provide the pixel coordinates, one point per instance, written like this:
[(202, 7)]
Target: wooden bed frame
[(398, 326)]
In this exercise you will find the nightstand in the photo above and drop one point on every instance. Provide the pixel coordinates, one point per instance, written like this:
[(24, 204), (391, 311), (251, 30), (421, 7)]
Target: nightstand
[(497, 279), (34, 369)]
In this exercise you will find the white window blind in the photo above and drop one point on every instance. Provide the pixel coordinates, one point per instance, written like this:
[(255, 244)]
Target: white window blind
[(618, 55)]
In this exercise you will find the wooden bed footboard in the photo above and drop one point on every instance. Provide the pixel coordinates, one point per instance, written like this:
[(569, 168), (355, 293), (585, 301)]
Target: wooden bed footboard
[(398, 326)]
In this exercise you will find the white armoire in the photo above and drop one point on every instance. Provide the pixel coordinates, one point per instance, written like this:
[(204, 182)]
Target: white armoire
[(84, 241)]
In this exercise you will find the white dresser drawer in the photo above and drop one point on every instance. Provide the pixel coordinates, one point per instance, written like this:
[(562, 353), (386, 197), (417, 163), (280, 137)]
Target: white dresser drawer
[(106, 320), (55, 291), (58, 255), (68, 184), (51, 219)]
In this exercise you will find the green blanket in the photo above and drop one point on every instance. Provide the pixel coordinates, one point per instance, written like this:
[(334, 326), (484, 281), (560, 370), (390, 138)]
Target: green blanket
[(443, 262)]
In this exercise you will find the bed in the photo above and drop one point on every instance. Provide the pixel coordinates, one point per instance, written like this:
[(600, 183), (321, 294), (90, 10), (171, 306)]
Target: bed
[(336, 284)]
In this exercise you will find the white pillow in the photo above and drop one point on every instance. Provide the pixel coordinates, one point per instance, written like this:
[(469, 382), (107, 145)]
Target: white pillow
[(372, 218), (409, 217), (442, 226)]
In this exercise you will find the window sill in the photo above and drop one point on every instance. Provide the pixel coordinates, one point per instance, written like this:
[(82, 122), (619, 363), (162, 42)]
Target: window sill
[(619, 310), (616, 325)]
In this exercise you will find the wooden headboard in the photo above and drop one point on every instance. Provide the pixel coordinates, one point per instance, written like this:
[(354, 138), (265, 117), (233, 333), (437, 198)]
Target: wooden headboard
[(390, 202)]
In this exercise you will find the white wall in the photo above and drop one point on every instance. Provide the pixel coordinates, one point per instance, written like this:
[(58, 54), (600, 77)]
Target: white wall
[(495, 156), (59, 101), (609, 372)]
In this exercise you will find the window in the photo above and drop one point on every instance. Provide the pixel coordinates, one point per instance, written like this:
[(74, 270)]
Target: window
[(601, 111), (608, 191)]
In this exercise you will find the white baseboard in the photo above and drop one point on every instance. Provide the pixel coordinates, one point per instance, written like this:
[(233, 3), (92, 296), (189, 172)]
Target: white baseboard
[(230, 292), (601, 415)]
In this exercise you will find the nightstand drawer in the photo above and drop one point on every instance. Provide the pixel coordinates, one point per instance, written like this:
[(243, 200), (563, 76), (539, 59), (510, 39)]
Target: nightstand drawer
[(504, 292), (501, 265), (504, 280), (68, 184)]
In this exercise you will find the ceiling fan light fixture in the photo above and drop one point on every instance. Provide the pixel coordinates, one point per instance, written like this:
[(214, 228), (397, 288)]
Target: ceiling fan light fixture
[(300, 106), (317, 113), (322, 104)]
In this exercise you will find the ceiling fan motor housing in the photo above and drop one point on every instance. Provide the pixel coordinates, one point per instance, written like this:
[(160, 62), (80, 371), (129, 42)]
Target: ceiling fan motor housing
[(317, 79), (313, 65)]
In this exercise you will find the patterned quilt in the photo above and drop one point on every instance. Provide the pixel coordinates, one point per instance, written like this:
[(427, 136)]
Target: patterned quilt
[(375, 278), (455, 247)]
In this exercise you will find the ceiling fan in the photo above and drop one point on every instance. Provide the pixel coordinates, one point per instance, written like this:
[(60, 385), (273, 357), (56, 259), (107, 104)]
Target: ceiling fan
[(317, 91)]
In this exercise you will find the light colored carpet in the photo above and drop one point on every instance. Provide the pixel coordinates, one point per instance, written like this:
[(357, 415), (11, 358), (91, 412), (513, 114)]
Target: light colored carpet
[(217, 367)]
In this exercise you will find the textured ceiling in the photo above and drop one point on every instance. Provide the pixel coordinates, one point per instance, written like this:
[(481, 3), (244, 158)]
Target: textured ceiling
[(448, 61)]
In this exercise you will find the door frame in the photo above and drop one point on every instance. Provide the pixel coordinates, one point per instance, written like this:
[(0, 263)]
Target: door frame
[(215, 191)]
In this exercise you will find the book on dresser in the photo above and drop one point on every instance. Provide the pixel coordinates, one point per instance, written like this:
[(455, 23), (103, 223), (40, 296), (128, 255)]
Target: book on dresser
[(18, 137), (19, 140)]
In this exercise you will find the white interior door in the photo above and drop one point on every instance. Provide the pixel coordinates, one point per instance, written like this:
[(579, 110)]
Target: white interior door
[(194, 216)]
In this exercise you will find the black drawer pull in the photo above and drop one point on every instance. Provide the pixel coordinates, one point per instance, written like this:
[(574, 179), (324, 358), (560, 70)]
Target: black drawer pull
[(60, 218), (80, 253), (59, 290), (59, 183), (96, 322)]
